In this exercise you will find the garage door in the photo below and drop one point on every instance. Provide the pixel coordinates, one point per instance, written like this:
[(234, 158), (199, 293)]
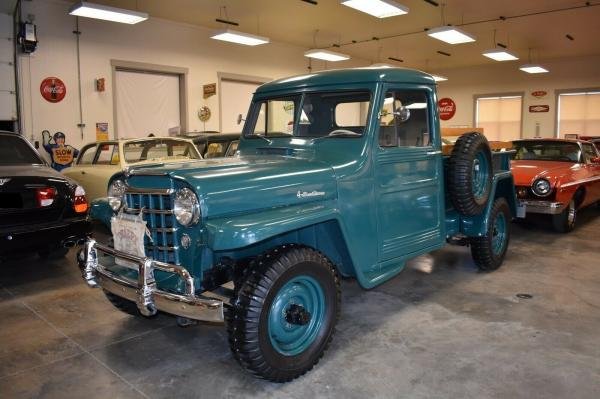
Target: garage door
[(8, 102), (146, 103), (235, 100)]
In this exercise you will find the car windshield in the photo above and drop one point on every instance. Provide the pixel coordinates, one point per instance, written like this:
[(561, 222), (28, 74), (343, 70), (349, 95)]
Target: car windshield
[(159, 150), (15, 151), (320, 114), (547, 151)]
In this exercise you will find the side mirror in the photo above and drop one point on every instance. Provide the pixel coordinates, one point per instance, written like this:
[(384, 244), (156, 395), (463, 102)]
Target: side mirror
[(402, 113), (240, 119)]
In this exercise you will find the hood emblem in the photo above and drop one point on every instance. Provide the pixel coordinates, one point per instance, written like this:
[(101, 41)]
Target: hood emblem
[(3, 181), (306, 194)]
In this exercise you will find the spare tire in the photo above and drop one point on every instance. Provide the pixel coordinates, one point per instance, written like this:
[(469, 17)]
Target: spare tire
[(470, 173)]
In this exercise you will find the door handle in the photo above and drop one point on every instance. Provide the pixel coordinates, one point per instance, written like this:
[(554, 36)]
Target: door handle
[(433, 152)]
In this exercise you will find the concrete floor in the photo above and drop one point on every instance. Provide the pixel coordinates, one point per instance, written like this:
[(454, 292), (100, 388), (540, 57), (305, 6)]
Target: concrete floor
[(438, 330)]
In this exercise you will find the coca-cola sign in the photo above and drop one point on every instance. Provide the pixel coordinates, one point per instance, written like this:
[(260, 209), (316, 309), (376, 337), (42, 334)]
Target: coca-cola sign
[(53, 89), (446, 108), (539, 93)]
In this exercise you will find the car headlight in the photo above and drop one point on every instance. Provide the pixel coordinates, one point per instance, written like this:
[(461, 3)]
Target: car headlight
[(541, 188), (186, 207), (116, 194)]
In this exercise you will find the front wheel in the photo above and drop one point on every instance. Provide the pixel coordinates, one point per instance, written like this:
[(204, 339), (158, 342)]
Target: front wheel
[(565, 221), (284, 316), (488, 251)]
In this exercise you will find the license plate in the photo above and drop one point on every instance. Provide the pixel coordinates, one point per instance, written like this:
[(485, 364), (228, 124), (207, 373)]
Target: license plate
[(128, 237), (521, 210)]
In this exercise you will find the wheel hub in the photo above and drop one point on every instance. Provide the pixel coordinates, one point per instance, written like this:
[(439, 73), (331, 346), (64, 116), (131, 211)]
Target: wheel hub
[(296, 314)]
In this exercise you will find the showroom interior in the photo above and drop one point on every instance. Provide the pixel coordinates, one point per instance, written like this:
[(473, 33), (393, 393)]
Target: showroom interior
[(235, 254)]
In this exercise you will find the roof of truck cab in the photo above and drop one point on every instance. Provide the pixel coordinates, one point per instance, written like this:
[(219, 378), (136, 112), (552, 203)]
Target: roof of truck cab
[(344, 76)]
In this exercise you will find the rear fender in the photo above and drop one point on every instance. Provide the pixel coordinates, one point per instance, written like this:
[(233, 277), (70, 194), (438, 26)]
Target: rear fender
[(502, 187)]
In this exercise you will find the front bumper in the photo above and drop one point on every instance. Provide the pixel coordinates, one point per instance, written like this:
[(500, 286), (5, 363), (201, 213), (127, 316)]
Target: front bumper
[(144, 292), (545, 207), (66, 233)]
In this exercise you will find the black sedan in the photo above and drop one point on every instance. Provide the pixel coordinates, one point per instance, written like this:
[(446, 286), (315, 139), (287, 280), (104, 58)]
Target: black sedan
[(40, 209)]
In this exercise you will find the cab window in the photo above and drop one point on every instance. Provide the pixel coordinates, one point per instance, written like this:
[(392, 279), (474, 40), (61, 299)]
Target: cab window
[(87, 155), (108, 154), (404, 119)]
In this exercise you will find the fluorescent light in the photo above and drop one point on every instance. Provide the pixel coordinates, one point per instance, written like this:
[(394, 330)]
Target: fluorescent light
[(97, 11), (377, 8), (228, 35), (326, 55), (533, 68), (450, 34), (499, 54), (439, 78)]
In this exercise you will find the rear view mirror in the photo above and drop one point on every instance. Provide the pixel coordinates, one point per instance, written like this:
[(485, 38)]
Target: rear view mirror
[(402, 113)]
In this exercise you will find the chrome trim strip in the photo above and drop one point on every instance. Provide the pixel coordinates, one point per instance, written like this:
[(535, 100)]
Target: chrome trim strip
[(582, 181), (148, 172), (145, 210), (165, 229), (161, 248), (545, 207), (144, 291), (157, 191)]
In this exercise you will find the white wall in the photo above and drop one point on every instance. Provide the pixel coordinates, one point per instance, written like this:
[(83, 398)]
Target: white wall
[(154, 41), (464, 83)]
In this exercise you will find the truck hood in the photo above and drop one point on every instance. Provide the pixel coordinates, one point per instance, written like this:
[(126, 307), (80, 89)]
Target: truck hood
[(250, 183), (526, 172)]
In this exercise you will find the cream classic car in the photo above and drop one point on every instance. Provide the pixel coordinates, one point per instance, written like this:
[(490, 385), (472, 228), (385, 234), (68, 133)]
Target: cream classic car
[(97, 162)]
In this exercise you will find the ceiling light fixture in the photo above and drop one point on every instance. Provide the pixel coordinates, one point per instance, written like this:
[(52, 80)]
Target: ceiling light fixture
[(106, 13), (499, 54), (533, 68), (377, 8), (232, 36), (326, 55), (451, 35)]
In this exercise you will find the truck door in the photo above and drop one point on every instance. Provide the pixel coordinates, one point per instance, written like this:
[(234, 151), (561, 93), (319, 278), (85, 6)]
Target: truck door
[(408, 174)]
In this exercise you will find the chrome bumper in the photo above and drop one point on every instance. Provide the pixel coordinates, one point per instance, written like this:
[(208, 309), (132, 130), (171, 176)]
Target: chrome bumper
[(546, 207), (144, 292)]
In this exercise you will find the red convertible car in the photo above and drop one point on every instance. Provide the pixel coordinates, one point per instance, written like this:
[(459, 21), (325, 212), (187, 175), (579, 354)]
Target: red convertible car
[(556, 177)]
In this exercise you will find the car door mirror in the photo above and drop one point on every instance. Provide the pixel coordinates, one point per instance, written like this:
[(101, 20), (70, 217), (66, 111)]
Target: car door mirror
[(240, 119), (402, 113)]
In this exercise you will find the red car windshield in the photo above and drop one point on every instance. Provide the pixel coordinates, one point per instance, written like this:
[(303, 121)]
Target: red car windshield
[(547, 151)]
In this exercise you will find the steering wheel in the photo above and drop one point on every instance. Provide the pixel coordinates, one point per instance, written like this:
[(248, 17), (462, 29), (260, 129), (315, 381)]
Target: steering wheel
[(343, 132)]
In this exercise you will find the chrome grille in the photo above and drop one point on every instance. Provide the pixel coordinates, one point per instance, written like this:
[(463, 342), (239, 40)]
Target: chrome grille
[(157, 210)]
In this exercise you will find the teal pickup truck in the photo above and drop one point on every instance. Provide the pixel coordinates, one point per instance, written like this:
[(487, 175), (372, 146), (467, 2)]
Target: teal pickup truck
[(338, 173)]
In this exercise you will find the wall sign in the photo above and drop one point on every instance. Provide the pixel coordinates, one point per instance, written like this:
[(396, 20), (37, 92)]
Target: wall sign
[(209, 90), (446, 108), (539, 108), (101, 131), (539, 93), (204, 113), (53, 89)]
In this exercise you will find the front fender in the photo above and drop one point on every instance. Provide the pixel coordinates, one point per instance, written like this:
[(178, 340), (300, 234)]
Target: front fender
[(235, 232), (101, 211)]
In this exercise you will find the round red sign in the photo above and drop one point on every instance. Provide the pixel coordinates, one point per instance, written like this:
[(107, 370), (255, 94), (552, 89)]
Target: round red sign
[(53, 89), (446, 108)]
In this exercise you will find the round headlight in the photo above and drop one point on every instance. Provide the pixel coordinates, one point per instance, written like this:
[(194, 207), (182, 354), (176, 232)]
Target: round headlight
[(186, 207), (541, 188), (116, 194)]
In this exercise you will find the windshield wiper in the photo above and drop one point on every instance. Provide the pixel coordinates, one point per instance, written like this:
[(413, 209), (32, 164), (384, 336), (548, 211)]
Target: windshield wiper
[(260, 137)]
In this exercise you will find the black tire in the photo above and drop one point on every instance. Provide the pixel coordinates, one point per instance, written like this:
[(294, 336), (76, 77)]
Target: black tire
[(248, 317), (53, 253), (468, 152), (564, 222), (124, 305), (483, 250)]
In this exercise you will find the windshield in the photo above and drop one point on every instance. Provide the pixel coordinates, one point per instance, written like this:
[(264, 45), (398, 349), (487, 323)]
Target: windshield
[(321, 114), (159, 150), (547, 151), (15, 151)]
